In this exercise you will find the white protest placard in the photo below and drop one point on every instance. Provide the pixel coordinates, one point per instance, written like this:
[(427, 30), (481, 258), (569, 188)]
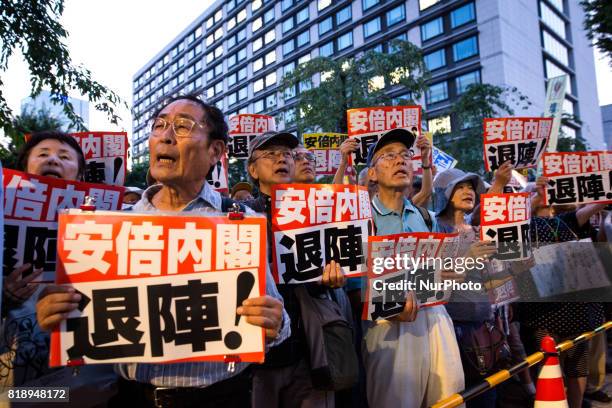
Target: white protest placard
[(159, 288)]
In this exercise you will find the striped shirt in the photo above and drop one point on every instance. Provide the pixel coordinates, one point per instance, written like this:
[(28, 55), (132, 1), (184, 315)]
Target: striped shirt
[(205, 373)]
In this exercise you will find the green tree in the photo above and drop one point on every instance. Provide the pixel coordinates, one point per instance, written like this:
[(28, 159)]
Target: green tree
[(570, 143), (598, 24), (137, 176), (478, 102), (29, 121), (348, 83), (33, 28)]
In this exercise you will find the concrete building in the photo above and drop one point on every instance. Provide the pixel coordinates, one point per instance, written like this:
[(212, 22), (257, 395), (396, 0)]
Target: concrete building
[(43, 101), (606, 114), (235, 53)]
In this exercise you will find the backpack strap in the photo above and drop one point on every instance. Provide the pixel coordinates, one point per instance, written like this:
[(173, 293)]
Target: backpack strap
[(227, 204), (426, 217)]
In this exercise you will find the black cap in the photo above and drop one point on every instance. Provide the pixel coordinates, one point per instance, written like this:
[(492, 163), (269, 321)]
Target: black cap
[(274, 138), (396, 135)]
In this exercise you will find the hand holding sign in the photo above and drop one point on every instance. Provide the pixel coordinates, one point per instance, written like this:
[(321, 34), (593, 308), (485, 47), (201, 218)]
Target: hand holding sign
[(263, 311)]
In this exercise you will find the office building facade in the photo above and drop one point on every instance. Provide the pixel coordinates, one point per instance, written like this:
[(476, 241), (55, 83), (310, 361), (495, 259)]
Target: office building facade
[(44, 102), (235, 54)]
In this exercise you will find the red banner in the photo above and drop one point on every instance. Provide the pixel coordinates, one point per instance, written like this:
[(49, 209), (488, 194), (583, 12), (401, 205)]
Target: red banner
[(159, 288), (31, 205), (315, 223)]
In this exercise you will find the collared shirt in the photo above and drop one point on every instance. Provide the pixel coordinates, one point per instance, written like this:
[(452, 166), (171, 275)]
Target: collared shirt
[(392, 222), (205, 373)]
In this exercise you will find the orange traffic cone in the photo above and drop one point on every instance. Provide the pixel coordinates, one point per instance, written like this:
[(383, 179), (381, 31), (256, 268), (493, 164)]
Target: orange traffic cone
[(550, 392)]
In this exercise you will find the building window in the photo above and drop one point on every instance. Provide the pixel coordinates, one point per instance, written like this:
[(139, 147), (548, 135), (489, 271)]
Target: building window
[(326, 25), (302, 15), (371, 27), (432, 29), (258, 85), (258, 106), (462, 82), (269, 15), (257, 44), (396, 15), (552, 19), (257, 24), (327, 50), (271, 57), (344, 15), (366, 4), (435, 60), (243, 93), (568, 106), (440, 124), (287, 25), (423, 4), (323, 4), (552, 71), (270, 101), (285, 4), (232, 99), (465, 49), (555, 48), (558, 4), (303, 39), (345, 41), (269, 37), (437, 93), (288, 47), (462, 15)]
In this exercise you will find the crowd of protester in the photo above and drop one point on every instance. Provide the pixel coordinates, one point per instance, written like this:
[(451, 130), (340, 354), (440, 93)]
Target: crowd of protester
[(411, 360)]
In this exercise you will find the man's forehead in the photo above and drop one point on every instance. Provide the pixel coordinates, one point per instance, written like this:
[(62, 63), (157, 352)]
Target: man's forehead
[(48, 144), (183, 108), (393, 147)]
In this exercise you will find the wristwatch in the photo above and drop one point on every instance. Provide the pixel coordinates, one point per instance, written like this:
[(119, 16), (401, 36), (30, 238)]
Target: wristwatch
[(426, 167)]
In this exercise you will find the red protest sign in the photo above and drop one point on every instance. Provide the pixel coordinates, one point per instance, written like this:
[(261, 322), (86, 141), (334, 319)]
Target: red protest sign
[(315, 223), (407, 262), (31, 205), (504, 219), (159, 288), (519, 140), (105, 155), (369, 124), (242, 130), (578, 177)]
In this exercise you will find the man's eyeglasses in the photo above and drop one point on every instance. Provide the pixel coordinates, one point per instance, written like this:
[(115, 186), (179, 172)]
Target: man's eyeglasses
[(392, 156), (275, 155), (304, 156), (182, 126)]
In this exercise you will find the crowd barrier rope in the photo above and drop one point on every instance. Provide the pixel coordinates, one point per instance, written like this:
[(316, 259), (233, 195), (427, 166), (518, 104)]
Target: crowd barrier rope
[(499, 377)]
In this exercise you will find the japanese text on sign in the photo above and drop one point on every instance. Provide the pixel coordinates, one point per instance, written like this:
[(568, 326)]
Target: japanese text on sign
[(578, 177), (424, 257), (316, 223), (519, 140), (105, 156), (31, 204), (369, 124), (242, 130), (159, 288), (505, 220)]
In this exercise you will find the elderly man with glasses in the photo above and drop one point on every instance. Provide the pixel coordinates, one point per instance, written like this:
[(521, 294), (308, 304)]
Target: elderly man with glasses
[(187, 138), (305, 162), (411, 360), (284, 380)]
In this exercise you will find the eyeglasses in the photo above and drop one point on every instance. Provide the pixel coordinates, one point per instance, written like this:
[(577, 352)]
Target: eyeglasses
[(275, 155), (304, 156), (392, 156), (182, 126)]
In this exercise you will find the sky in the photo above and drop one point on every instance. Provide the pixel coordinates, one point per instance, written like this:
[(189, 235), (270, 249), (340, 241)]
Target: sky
[(114, 45)]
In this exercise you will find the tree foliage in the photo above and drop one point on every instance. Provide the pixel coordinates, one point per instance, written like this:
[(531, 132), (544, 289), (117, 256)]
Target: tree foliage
[(29, 121), (137, 176), (478, 102), (598, 24), (33, 28), (569, 143), (348, 83)]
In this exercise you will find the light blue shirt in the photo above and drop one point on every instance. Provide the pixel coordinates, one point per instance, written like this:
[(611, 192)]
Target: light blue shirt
[(389, 222), (205, 373)]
